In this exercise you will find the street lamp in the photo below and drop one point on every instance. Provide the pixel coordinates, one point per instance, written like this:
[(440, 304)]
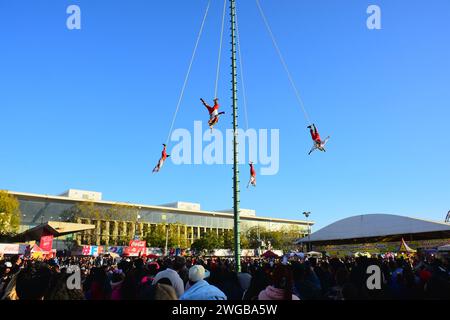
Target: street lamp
[(136, 228), (306, 214)]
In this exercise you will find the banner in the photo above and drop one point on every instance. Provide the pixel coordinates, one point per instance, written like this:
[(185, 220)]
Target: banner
[(116, 249), (138, 243), (86, 251), (46, 243), (136, 248), (12, 248), (154, 251)]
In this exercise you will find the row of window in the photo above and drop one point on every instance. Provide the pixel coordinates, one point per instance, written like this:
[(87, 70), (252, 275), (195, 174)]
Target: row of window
[(38, 211)]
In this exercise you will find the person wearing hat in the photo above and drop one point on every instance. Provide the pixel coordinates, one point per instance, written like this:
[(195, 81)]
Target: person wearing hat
[(200, 289), (172, 273)]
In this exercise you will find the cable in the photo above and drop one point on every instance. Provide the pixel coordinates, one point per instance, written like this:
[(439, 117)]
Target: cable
[(188, 71), (244, 95), (220, 48), (283, 62)]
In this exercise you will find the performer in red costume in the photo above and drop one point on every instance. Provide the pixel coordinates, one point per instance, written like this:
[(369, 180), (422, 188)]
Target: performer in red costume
[(163, 158)]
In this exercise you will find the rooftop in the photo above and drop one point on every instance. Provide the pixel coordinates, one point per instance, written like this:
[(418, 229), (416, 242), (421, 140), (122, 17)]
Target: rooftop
[(181, 207), (375, 225)]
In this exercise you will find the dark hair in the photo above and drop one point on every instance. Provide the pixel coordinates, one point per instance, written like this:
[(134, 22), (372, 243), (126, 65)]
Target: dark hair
[(178, 263), (165, 281), (282, 279), (258, 283), (33, 282)]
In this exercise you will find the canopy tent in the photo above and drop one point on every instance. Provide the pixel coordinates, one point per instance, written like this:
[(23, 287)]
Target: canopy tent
[(444, 248), (54, 228), (314, 254), (270, 254), (362, 254), (301, 255), (404, 248)]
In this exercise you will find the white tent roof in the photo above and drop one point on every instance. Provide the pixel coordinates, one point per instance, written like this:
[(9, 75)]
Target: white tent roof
[(444, 248), (374, 225)]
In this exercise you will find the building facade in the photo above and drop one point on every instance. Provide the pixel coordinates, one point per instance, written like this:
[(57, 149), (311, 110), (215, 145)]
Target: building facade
[(188, 221)]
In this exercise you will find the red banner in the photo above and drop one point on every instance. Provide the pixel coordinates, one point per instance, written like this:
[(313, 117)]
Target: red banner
[(137, 243), (136, 248), (86, 250), (46, 243)]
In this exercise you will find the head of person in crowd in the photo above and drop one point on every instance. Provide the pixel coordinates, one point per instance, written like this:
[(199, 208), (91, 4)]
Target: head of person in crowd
[(282, 285), (199, 288), (153, 268), (60, 290), (164, 292), (178, 263), (33, 281), (258, 283)]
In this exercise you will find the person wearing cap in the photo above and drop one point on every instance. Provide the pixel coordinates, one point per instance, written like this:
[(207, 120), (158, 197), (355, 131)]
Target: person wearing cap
[(200, 289), (172, 274)]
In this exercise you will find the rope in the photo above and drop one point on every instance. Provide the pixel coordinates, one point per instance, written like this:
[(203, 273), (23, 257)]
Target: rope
[(220, 48), (244, 96), (283, 62), (188, 72)]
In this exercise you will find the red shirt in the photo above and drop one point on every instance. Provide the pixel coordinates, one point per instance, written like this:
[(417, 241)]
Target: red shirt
[(252, 171), (164, 154), (316, 136), (211, 109)]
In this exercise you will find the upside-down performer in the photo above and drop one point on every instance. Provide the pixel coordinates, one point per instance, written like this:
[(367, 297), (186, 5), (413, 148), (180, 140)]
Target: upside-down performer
[(163, 158), (252, 180), (319, 144), (213, 112)]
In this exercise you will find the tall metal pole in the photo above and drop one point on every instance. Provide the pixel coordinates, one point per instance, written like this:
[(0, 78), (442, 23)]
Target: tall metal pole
[(237, 240)]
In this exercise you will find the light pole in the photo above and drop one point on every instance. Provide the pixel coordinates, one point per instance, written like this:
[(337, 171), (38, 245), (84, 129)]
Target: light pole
[(136, 228), (236, 191), (306, 214)]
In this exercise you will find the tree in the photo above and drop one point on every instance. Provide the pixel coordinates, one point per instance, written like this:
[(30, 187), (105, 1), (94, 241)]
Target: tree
[(208, 241), (9, 214), (228, 239), (282, 239), (157, 237), (245, 243)]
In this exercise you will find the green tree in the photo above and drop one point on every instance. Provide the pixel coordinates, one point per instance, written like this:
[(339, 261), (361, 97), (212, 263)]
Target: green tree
[(245, 243), (282, 239), (9, 214), (208, 241), (156, 237), (228, 239)]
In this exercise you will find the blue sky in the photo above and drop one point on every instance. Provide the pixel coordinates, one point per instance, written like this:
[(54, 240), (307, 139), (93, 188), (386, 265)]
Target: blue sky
[(90, 108)]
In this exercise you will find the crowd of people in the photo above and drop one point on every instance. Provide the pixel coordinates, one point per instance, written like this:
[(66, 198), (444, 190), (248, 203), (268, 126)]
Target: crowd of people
[(196, 278)]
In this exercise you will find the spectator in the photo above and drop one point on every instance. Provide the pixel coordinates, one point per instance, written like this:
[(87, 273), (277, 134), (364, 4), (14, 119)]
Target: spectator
[(172, 274), (200, 289), (32, 282), (282, 285), (258, 283)]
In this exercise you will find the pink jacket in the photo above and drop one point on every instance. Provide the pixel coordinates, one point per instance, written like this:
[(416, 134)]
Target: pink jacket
[(116, 287), (272, 293)]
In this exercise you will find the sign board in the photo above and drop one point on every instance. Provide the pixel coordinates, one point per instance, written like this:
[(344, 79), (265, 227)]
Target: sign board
[(46, 243)]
